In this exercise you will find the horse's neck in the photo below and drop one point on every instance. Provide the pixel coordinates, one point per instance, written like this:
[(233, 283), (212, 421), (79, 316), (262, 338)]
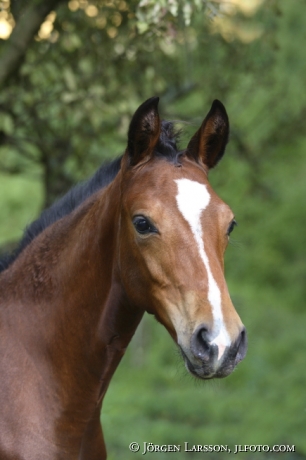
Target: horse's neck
[(67, 296)]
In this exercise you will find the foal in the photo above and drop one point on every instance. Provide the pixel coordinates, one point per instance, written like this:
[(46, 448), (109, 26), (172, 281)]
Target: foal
[(149, 237)]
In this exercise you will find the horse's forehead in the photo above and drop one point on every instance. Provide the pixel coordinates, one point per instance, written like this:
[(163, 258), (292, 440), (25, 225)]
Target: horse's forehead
[(166, 184)]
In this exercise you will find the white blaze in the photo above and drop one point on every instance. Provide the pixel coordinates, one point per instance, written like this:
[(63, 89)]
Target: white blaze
[(192, 199)]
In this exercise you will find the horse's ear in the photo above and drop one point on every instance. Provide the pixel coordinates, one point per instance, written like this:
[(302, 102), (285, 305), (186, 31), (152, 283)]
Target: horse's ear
[(143, 132), (209, 142)]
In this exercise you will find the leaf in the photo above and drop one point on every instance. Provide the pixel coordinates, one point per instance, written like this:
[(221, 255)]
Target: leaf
[(6, 124)]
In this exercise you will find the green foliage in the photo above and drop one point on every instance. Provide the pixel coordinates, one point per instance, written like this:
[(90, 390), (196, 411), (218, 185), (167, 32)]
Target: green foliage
[(72, 111), (153, 15), (19, 206)]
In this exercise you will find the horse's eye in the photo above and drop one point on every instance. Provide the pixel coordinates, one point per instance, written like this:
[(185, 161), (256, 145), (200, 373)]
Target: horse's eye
[(143, 225), (231, 227)]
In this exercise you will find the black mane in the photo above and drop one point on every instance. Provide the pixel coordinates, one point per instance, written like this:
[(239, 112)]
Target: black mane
[(166, 148)]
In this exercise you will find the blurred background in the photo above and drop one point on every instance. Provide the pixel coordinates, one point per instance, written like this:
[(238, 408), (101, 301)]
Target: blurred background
[(71, 75)]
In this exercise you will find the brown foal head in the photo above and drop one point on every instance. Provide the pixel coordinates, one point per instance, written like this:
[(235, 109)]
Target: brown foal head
[(173, 232)]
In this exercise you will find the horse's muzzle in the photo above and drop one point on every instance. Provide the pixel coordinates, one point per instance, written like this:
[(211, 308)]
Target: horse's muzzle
[(205, 363)]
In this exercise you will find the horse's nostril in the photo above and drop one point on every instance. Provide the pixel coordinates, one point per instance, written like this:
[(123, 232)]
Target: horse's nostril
[(199, 343), (242, 345), (242, 336), (203, 333)]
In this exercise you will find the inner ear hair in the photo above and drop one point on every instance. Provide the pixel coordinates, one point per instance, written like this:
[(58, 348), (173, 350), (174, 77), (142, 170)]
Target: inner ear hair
[(208, 144), (144, 131)]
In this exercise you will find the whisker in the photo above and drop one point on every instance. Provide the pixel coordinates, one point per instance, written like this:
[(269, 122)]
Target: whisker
[(235, 243)]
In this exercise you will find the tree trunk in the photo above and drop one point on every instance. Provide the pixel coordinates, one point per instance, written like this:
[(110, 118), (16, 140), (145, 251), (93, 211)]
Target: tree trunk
[(28, 23)]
